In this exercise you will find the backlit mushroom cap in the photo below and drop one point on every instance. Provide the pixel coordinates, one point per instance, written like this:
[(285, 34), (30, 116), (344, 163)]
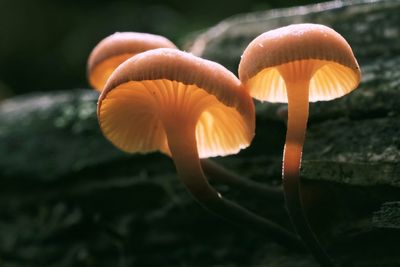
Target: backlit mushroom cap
[(307, 51), (157, 82), (115, 49)]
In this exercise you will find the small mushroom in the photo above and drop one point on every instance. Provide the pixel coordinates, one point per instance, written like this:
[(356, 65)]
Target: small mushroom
[(298, 64), (109, 53), (189, 108)]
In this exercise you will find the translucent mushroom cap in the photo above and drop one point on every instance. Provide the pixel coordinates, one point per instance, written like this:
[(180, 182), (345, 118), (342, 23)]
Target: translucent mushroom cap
[(109, 53), (308, 51), (144, 88)]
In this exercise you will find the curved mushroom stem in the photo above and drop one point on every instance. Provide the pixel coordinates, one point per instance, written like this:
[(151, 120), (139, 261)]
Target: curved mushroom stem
[(295, 135), (183, 147), (220, 174)]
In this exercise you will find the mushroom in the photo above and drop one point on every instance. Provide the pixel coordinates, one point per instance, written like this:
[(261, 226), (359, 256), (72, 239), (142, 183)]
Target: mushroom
[(188, 108), (118, 47), (109, 53), (298, 64)]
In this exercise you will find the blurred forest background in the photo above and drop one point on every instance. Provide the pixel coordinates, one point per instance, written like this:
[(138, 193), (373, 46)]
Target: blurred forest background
[(44, 44)]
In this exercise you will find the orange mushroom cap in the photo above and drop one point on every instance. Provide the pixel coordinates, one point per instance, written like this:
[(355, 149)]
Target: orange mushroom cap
[(115, 49), (166, 81), (304, 51)]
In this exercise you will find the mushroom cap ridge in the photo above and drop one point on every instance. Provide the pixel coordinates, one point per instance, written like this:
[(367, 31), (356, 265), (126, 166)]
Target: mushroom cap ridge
[(177, 68), (300, 43)]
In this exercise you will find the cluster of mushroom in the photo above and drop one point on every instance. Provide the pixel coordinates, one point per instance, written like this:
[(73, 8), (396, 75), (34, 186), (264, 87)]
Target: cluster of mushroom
[(155, 97)]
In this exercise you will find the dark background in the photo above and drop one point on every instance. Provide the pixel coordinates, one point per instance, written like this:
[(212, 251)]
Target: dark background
[(44, 44)]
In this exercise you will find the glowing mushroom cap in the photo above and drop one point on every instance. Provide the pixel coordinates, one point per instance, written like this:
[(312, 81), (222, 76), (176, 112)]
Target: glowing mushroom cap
[(115, 49), (163, 81), (311, 51)]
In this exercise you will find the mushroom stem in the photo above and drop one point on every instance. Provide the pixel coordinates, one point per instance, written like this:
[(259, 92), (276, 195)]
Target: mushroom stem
[(182, 144), (220, 174), (295, 135)]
